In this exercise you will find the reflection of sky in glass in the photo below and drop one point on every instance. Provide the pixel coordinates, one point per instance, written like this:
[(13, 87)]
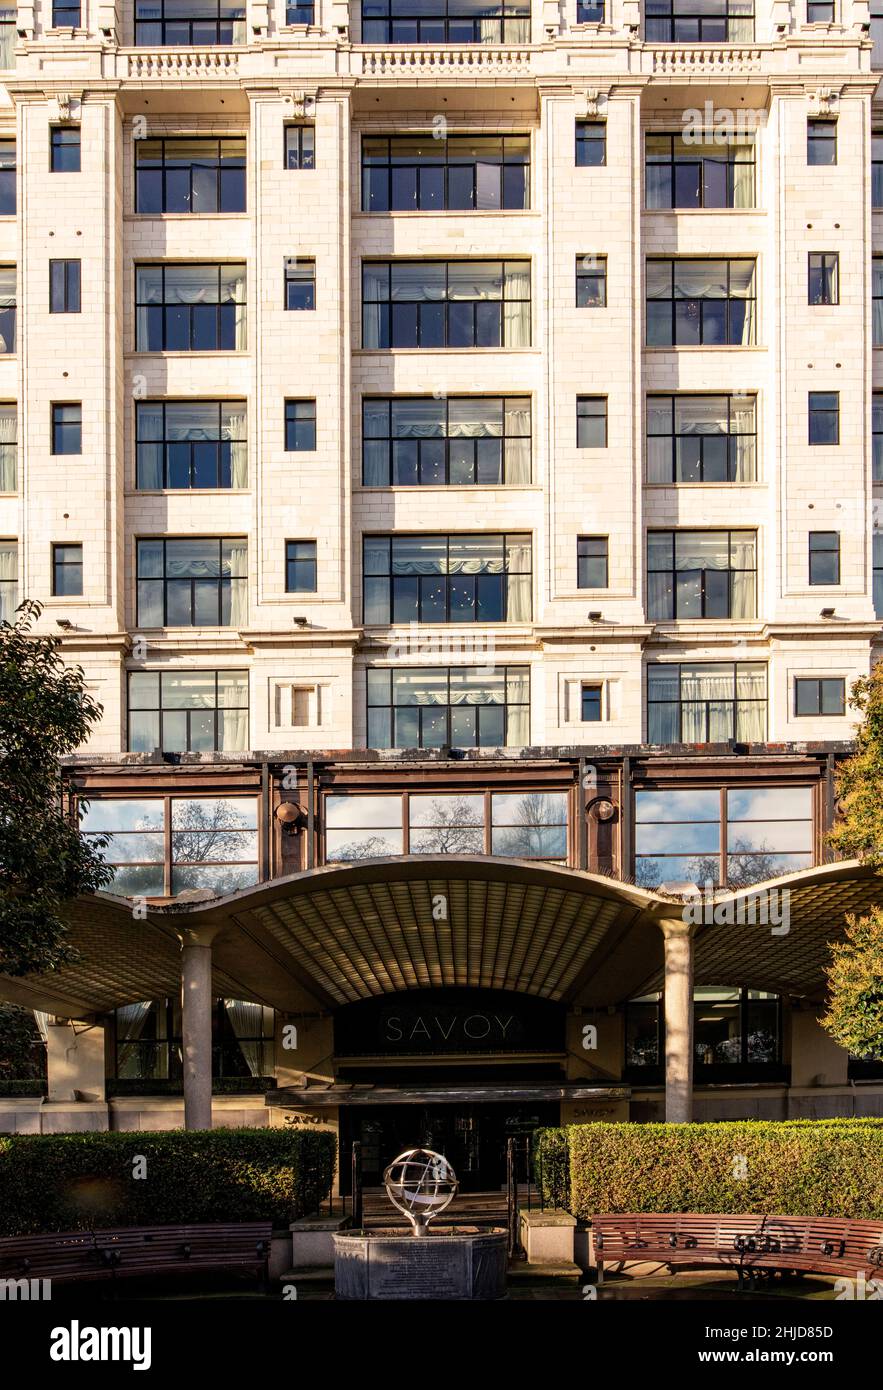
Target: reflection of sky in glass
[(446, 810), (769, 835), (673, 839), (240, 813), (363, 811), (530, 808), (122, 815), (770, 803), (365, 844), (676, 869), (685, 806)]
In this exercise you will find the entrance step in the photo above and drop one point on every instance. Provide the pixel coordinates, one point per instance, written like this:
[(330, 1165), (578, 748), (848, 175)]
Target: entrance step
[(521, 1272)]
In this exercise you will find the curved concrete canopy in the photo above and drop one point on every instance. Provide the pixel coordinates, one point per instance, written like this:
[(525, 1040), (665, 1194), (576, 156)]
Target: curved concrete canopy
[(329, 936)]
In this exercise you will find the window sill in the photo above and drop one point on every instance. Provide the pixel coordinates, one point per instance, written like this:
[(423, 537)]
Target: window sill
[(184, 216), (187, 355), (700, 212), (443, 488), (421, 352), (449, 212), (187, 491), (703, 347), (678, 487)]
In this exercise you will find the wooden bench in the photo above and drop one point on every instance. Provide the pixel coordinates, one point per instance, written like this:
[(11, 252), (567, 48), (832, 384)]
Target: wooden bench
[(75, 1256), (746, 1243)]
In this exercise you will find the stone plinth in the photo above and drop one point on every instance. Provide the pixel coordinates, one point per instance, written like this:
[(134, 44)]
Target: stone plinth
[(452, 1266)]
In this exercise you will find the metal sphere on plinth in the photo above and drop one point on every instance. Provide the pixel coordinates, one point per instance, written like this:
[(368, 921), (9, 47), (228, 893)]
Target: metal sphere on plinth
[(421, 1184)]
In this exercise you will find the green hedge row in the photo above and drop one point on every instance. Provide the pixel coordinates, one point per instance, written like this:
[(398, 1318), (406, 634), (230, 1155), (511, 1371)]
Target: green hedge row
[(796, 1168), (81, 1181)]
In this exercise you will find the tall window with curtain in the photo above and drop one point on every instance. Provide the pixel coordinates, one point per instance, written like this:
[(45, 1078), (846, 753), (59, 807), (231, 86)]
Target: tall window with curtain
[(700, 302), (708, 172), (410, 441), (186, 307), (8, 303), (701, 574), (190, 444), (699, 21), (439, 304), (706, 702), (418, 22), (877, 293), (200, 582), (8, 580), (8, 447), (701, 439), (7, 37), (463, 707), (188, 711), (447, 579), (186, 23)]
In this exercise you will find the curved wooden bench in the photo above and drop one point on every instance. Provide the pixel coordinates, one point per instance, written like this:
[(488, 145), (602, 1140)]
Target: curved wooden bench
[(77, 1256), (746, 1243)]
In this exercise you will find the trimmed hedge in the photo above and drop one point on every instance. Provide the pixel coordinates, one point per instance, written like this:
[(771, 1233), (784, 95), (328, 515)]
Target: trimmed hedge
[(69, 1182), (794, 1168)]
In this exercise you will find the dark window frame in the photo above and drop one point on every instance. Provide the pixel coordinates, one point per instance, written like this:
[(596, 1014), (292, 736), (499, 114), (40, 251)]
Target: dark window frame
[(8, 177), (821, 138), (823, 544), (161, 709), (62, 566), (662, 24), (170, 170), (809, 685), (424, 200), (443, 578), (591, 270), (300, 13), (59, 426), (300, 272), (295, 564), (702, 574), (737, 703), (585, 555), (66, 15), (386, 327), (590, 139), (732, 437), (514, 672), (744, 1070), (66, 297), (823, 278), (818, 414), (814, 8), (591, 699), (227, 28), (444, 25), (306, 158), (61, 148), (168, 442), (677, 160), (446, 440), (219, 306), (732, 335), (223, 583), (585, 413), (293, 421)]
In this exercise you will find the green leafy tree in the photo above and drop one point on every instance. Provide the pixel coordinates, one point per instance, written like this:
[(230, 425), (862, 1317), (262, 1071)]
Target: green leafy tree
[(855, 976), (45, 713)]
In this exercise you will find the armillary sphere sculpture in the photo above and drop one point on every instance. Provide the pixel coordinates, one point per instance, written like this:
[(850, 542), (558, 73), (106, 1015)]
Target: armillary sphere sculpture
[(421, 1184)]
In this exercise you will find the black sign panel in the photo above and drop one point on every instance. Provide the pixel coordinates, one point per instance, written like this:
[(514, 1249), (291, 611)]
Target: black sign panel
[(444, 1021)]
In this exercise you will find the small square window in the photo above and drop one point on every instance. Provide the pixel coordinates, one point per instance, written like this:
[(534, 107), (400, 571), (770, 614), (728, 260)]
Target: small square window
[(590, 12), (824, 277), (821, 142), (67, 429), (825, 696), (67, 570), (65, 16), (300, 426), (299, 14), (64, 149), (300, 284), (824, 557), (591, 704), (591, 282), (300, 147), (820, 11), (591, 143), (824, 417), (591, 562), (64, 287), (591, 422), (300, 567)]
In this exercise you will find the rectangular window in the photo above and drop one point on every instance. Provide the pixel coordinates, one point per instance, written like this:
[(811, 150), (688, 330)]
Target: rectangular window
[(300, 426), (188, 307), (67, 570), (457, 441), (430, 707), (705, 21), (693, 302), (67, 429), (877, 170), (300, 283), (591, 704), (447, 579), (191, 444), (701, 574), (8, 17), (7, 178), (300, 567), (189, 23), (299, 14), (819, 696), (212, 843), (65, 16), (590, 12), (191, 175), (591, 144), (591, 422), (878, 573), (820, 11), (824, 417), (823, 277), (877, 415), (701, 439), (445, 304), (188, 711), (591, 282), (8, 307), (591, 562), (519, 825), (463, 173), (732, 836), (64, 287), (698, 170), (300, 146), (64, 149), (821, 142), (877, 301), (824, 557), (706, 702), (199, 582), (445, 21), (8, 580), (8, 447)]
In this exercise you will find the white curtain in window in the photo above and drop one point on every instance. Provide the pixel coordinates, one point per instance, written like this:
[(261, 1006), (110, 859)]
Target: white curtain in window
[(8, 580), (516, 309), (238, 292), (239, 450), (234, 721), (877, 291), (518, 727), (743, 177), (518, 460), (246, 1021), (42, 1021), (8, 448), (519, 606), (150, 462), (238, 552), (743, 557)]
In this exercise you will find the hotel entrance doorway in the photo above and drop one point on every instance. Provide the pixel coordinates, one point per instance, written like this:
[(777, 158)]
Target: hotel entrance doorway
[(471, 1137)]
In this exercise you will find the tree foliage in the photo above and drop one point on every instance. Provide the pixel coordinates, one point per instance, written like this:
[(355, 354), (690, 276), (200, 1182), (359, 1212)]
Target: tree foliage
[(45, 713), (855, 982)]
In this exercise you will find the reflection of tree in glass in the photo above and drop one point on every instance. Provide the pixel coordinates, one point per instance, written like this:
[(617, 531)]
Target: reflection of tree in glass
[(456, 828), (374, 847), (756, 866), (524, 834), (704, 868), (209, 835)]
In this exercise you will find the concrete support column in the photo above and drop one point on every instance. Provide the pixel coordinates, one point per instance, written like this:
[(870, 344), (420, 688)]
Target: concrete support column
[(196, 1028), (678, 936)]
